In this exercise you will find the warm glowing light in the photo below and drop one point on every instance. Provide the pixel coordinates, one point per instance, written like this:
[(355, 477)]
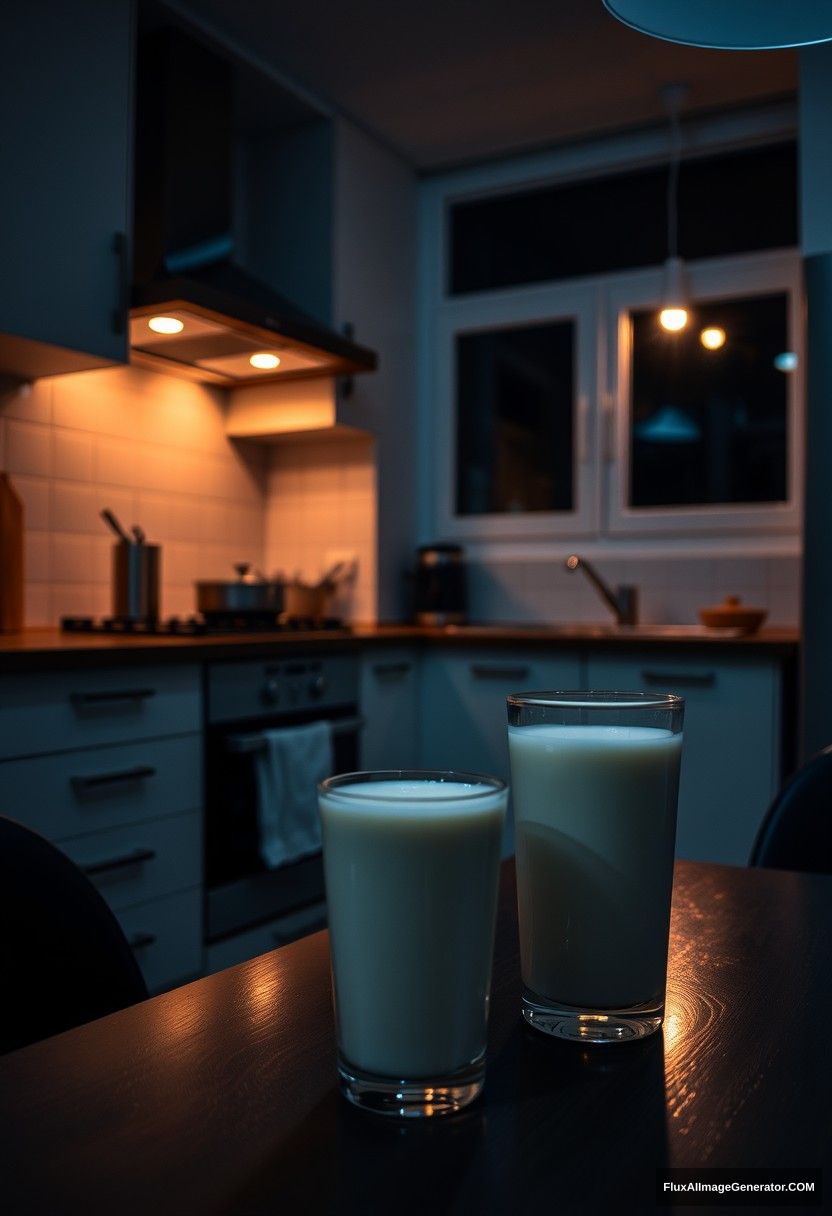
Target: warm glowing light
[(264, 360), (786, 362), (166, 325), (713, 337), (673, 319)]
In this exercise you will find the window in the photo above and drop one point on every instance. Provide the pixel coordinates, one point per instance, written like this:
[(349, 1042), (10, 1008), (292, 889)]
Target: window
[(707, 437), (514, 419), (709, 405), (513, 386), (559, 409), (619, 222)]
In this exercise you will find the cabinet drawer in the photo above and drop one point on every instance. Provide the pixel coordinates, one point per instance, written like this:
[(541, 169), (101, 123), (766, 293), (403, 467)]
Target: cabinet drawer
[(463, 716), (731, 749), (107, 787), (131, 865), (389, 709), (50, 712), (243, 946), (166, 935)]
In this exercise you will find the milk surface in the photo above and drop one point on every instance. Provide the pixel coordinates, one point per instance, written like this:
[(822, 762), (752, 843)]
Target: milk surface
[(411, 885), (595, 816)]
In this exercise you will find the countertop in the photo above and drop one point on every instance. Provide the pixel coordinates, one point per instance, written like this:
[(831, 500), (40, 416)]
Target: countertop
[(43, 649), (220, 1097)]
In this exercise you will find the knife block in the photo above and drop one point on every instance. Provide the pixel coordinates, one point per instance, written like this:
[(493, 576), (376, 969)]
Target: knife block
[(11, 557)]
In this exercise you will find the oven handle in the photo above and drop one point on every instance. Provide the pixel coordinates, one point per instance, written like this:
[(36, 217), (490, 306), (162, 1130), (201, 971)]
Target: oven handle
[(257, 742)]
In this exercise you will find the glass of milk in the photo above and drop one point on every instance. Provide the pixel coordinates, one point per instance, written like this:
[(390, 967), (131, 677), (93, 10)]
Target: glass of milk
[(595, 779), (411, 862)]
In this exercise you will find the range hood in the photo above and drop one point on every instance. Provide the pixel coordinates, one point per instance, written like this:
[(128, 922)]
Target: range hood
[(195, 310)]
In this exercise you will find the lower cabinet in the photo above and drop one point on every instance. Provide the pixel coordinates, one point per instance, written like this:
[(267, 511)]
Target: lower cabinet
[(243, 946), (462, 706), (107, 764), (731, 754), (166, 937), (389, 706)]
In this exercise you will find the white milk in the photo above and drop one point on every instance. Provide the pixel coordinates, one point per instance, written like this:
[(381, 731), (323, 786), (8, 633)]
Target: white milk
[(411, 889), (595, 816)]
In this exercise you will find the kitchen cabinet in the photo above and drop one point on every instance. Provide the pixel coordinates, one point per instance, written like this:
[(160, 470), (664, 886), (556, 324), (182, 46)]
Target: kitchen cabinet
[(462, 706), (65, 132), (389, 707), (731, 758), (108, 765)]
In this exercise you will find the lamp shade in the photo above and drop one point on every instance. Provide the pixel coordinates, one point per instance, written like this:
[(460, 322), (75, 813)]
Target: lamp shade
[(730, 25)]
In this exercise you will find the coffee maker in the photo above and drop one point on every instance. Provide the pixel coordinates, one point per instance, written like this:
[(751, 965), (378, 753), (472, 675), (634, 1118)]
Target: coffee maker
[(439, 593)]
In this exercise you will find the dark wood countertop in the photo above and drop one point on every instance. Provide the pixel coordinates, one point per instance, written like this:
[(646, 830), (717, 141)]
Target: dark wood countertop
[(220, 1097), (42, 649)]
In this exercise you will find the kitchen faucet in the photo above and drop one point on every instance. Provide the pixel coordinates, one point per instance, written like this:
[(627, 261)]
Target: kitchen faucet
[(623, 601)]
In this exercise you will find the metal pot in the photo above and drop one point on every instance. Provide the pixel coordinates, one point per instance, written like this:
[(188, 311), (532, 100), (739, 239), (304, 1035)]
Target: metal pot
[(248, 595), (136, 567), (313, 601)]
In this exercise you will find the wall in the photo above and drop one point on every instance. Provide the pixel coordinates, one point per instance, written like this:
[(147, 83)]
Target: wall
[(671, 589), (153, 449), (321, 508), (375, 290), (816, 245)]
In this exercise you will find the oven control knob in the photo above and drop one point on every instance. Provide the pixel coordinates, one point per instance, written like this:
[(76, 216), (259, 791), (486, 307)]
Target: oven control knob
[(317, 687), (271, 692)]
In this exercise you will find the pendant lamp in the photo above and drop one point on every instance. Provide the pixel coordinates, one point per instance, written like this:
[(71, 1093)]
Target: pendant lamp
[(729, 25), (674, 310)]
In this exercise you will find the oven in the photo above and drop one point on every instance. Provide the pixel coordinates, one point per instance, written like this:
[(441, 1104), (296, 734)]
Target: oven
[(244, 699)]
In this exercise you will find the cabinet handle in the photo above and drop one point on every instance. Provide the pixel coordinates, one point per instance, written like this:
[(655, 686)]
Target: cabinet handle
[(691, 679), (137, 941), (481, 671), (119, 314), (83, 785), (89, 700), (392, 669), (117, 863)]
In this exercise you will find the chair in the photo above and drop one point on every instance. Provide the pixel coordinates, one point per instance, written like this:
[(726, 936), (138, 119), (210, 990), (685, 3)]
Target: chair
[(64, 959), (796, 833)]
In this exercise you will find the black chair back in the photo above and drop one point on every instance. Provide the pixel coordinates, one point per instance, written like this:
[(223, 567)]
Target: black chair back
[(64, 959), (796, 833)]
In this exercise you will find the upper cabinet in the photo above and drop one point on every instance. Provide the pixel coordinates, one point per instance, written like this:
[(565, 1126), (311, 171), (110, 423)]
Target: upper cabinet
[(65, 144)]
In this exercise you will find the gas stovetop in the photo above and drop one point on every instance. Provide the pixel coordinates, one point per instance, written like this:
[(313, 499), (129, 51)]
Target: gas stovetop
[(196, 626)]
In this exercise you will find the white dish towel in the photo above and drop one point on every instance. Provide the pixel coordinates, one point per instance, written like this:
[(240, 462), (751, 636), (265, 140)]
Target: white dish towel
[(287, 771)]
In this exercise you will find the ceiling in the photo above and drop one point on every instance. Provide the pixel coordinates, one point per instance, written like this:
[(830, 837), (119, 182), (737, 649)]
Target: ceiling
[(450, 81)]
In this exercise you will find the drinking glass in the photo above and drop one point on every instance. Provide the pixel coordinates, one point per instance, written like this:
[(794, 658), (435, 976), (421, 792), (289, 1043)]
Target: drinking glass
[(595, 780), (411, 863)]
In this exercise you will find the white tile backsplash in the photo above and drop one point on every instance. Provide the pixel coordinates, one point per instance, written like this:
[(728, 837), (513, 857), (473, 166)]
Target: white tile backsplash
[(321, 500), (671, 590), (154, 450)]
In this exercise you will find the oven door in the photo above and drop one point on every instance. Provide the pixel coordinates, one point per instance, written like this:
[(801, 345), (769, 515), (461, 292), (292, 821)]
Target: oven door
[(241, 892)]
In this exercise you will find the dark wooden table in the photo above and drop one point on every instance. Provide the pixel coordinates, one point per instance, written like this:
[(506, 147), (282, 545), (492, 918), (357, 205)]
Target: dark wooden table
[(220, 1097)]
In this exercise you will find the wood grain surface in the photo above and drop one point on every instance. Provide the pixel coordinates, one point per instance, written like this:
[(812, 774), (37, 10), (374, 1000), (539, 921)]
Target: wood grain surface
[(220, 1097), (45, 649)]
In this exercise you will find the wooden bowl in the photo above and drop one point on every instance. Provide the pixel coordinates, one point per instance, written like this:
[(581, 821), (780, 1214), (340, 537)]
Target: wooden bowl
[(731, 614)]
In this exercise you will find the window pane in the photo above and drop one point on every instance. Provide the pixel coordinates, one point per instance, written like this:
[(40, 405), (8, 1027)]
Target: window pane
[(515, 419), (710, 425), (620, 222)]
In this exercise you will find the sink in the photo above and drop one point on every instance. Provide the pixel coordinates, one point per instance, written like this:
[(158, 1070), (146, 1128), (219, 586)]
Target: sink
[(588, 629)]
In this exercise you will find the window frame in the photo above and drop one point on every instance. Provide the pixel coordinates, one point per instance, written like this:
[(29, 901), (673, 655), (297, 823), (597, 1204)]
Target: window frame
[(621, 152), (724, 278), (574, 300)]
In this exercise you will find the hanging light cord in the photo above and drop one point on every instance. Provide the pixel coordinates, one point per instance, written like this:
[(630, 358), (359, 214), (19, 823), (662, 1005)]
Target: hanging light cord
[(673, 184)]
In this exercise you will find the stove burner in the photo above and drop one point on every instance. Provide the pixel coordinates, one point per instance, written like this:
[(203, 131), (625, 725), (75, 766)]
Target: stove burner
[(195, 626)]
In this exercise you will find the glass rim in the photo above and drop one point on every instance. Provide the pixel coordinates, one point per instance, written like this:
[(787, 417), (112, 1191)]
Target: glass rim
[(571, 698), (340, 783)]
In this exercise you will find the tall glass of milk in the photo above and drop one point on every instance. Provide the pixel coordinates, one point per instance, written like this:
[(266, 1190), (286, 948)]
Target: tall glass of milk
[(595, 779), (411, 863)]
